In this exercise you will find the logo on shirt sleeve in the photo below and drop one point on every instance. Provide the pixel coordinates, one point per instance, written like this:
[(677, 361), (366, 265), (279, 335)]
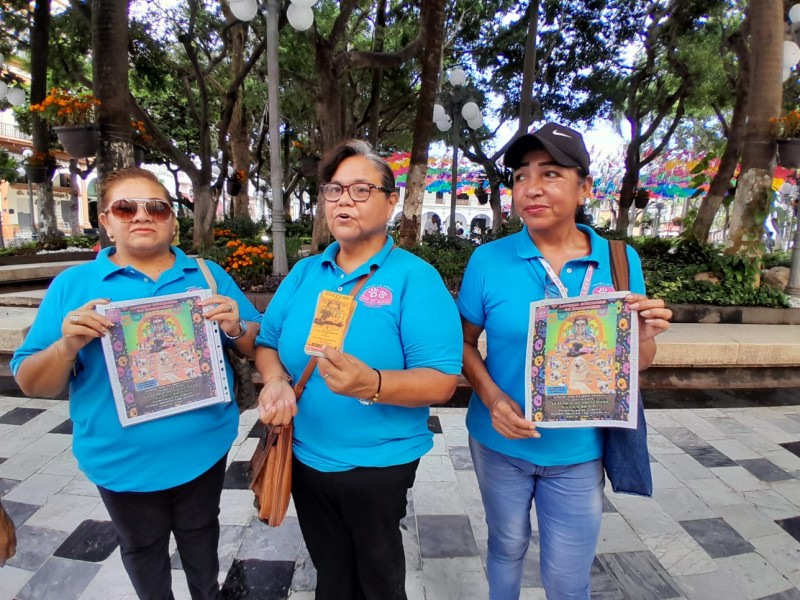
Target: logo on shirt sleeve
[(376, 295)]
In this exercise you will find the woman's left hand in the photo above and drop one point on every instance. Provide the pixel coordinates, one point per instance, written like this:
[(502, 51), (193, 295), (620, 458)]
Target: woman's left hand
[(224, 311), (344, 374), (654, 316)]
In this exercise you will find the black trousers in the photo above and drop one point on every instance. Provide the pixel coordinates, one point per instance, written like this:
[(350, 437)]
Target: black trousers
[(144, 520), (351, 524)]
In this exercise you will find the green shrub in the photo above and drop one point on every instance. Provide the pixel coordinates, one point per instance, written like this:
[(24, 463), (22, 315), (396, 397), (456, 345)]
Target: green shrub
[(447, 255), (779, 258)]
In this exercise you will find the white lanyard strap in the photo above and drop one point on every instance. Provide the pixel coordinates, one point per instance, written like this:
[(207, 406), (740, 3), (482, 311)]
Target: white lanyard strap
[(562, 289)]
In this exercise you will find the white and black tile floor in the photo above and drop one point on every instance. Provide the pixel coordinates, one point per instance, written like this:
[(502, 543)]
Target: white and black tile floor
[(724, 522)]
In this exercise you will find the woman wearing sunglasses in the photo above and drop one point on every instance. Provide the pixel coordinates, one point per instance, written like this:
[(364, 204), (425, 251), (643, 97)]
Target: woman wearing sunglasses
[(361, 423), (156, 477)]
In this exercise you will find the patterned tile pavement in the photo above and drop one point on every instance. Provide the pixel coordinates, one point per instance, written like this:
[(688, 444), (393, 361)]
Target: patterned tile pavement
[(724, 522)]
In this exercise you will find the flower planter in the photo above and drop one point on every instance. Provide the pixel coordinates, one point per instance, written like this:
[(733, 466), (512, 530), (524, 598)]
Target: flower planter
[(39, 174), (233, 187), (80, 141), (789, 153)]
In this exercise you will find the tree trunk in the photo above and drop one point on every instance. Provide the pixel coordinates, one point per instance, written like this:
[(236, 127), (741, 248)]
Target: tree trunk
[(330, 116), (630, 181), (110, 74), (205, 213), (497, 207), (377, 74), (754, 188), (239, 135), (721, 183), (529, 69), (40, 33), (433, 24)]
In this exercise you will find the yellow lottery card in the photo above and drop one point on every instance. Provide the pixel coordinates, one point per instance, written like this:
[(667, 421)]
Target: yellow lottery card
[(330, 322)]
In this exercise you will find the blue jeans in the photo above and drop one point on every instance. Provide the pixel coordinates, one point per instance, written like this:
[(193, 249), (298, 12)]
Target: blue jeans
[(569, 508)]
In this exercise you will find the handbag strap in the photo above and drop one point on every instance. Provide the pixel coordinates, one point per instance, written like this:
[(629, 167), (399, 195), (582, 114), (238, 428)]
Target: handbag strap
[(620, 271), (212, 283), (312, 362)]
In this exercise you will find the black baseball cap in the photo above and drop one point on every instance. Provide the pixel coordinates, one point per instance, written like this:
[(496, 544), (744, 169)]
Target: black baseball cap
[(565, 145)]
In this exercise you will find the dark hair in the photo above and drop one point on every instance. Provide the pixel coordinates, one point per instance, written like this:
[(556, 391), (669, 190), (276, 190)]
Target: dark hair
[(125, 174), (332, 159)]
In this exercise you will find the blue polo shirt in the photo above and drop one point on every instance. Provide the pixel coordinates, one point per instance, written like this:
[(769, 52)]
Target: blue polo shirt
[(153, 455), (404, 319), (501, 280)]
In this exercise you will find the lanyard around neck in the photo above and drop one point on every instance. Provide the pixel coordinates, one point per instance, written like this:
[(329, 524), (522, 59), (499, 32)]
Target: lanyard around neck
[(562, 289)]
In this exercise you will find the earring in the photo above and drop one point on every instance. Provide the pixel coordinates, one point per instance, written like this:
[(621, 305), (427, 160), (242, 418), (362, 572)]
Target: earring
[(111, 237)]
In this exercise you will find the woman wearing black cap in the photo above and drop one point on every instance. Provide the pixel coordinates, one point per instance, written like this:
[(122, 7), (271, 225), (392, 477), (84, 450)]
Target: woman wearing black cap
[(552, 256)]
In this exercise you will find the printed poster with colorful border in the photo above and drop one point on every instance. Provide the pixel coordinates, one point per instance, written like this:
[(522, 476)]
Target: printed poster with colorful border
[(583, 355), (163, 357)]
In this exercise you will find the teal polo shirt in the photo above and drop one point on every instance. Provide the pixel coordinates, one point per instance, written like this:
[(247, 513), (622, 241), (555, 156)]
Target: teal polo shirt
[(149, 456), (501, 280), (404, 319)]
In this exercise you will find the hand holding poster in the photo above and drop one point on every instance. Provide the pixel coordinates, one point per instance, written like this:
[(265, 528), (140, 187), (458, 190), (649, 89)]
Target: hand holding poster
[(163, 357), (583, 355)]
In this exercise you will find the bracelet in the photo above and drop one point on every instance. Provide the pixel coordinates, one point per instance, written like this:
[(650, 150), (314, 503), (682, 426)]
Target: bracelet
[(58, 352), (377, 396), (242, 331), (281, 377)]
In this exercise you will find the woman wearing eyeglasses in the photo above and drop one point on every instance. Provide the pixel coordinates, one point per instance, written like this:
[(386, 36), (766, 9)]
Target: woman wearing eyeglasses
[(361, 424), (156, 477)]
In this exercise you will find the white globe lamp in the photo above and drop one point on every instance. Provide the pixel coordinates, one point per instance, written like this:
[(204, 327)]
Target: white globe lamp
[(300, 17), (457, 77), (16, 96), (244, 10), (470, 111)]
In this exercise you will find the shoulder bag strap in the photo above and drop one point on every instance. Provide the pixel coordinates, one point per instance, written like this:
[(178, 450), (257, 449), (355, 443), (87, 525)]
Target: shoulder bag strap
[(620, 273), (312, 362), (212, 283)]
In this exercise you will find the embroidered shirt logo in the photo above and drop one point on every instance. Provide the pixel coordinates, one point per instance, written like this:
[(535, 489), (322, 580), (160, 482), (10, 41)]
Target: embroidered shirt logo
[(194, 288), (603, 288), (376, 295)]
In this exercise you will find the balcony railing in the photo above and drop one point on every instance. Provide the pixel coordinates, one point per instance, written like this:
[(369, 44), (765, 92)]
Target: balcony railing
[(7, 130)]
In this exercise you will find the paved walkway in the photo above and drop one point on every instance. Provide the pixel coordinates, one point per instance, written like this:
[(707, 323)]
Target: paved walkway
[(724, 522)]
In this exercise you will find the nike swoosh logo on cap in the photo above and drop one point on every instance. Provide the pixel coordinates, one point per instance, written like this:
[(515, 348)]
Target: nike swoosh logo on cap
[(558, 133)]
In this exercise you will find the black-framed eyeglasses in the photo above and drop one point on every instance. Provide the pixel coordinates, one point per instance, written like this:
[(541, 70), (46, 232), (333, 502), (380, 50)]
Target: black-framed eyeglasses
[(358, 192), (126, 209)]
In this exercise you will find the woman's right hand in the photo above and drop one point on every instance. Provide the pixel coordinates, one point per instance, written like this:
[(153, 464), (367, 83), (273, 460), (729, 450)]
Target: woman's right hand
[(276, 402), (508, 420), (83, 325)]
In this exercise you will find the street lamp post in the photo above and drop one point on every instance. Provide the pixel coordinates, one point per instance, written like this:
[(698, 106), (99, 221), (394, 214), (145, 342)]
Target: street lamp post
[(452, 109)]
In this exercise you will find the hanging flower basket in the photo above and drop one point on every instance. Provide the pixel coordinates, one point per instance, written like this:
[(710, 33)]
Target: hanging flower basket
[(233, 187), (80, 141), (789, 153), (39, 174)]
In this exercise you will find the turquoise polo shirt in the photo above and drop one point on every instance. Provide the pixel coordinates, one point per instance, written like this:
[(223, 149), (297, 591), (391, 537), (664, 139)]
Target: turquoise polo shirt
[(149, 456), (501, 280), (404, 319)]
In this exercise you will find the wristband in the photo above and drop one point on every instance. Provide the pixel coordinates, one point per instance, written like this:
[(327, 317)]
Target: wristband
[(243, 330), (377, 396)]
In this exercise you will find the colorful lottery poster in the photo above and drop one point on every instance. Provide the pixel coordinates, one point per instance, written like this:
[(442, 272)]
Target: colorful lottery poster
[(583, 355), (163, 357)]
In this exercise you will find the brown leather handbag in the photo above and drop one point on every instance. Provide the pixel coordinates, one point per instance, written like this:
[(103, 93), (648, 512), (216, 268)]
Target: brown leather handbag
[(271, 464)]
